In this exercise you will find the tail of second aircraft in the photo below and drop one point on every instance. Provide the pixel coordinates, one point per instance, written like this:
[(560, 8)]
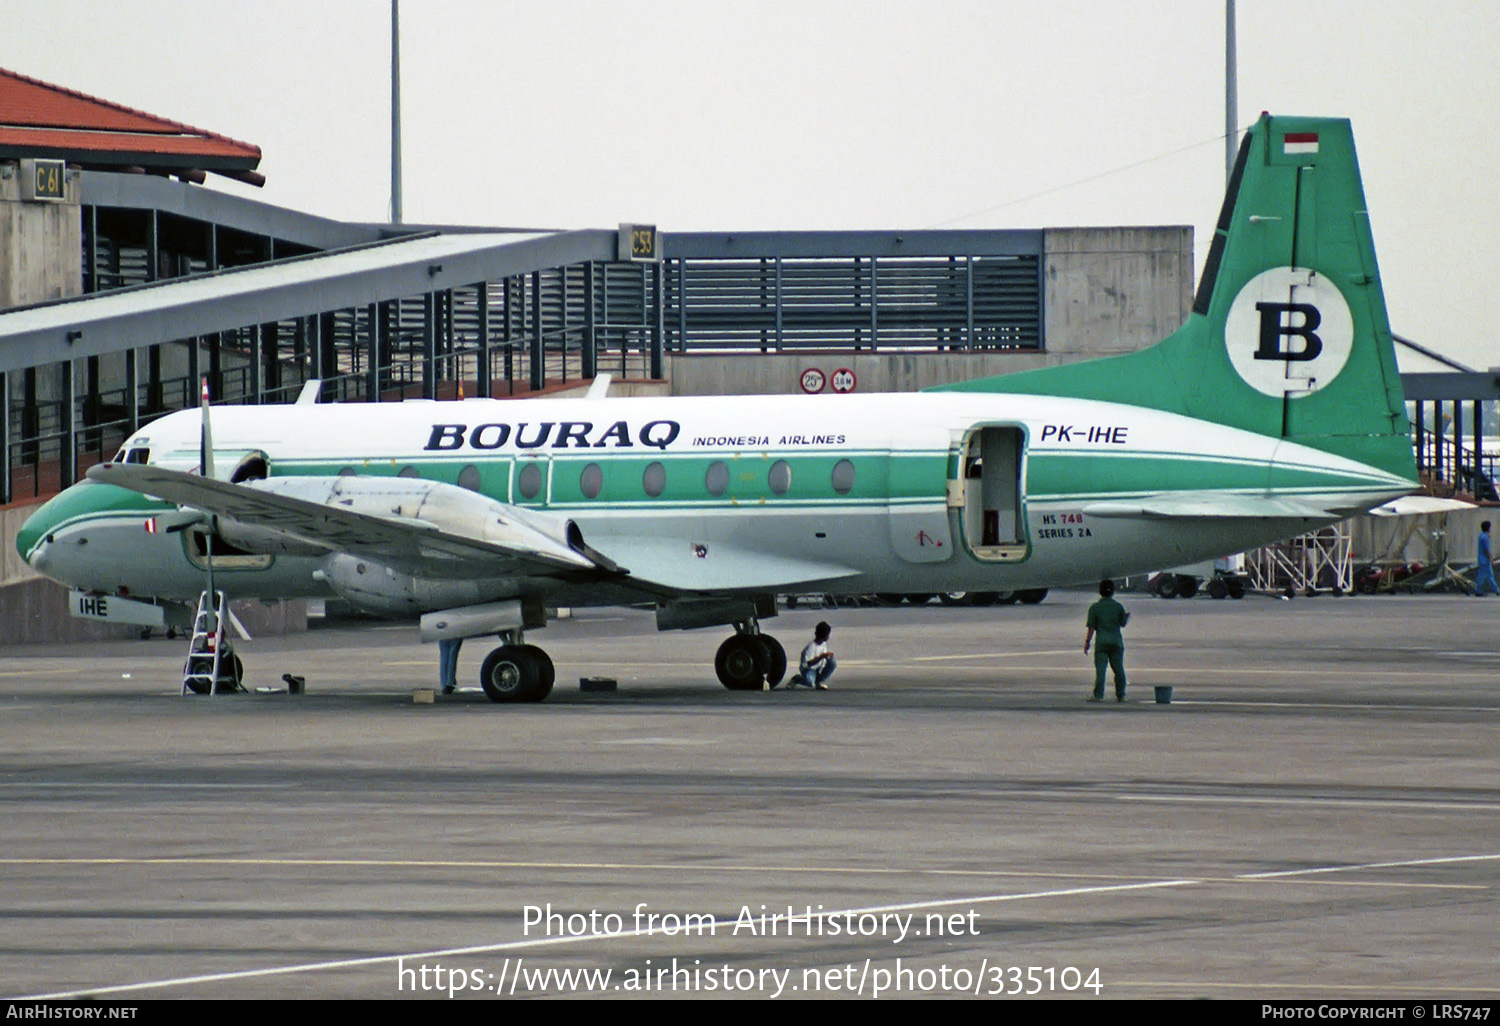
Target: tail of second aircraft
[(1288, 334)]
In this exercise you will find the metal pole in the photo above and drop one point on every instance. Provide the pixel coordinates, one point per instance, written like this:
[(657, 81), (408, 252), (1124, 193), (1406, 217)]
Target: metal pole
[(5, 485), (1231, 94), (482, 385), (395, 111), (68, 455), (133, 386)]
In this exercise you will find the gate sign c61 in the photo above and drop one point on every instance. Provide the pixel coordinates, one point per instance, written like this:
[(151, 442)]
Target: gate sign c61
[(843, 380), (813, 381)]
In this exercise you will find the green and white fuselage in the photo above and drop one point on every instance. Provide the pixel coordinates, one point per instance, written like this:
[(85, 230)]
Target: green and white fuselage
[(844, 494)]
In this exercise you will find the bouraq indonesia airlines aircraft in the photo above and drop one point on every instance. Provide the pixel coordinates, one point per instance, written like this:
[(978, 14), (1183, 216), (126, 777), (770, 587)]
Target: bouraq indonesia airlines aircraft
[(1275, 409)]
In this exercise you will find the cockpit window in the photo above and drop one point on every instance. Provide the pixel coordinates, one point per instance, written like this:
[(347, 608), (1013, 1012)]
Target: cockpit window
[(136, 455)]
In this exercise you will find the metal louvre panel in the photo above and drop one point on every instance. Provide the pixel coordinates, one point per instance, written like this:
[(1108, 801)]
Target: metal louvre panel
[(902, 302)]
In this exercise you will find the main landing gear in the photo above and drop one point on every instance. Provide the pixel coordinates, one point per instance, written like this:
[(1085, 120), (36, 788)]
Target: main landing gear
[(517, 672), (748, 659)]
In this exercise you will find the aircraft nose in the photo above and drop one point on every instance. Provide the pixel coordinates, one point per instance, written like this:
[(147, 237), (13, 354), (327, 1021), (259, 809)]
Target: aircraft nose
[(31, 539), (79, 504)]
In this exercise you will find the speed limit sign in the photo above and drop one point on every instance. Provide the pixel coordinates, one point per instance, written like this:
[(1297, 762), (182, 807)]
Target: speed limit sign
[(813, 381), (843, 380)]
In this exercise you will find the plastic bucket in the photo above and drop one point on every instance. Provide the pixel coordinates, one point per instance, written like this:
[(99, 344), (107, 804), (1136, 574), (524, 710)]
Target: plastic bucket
[(1163, 694)]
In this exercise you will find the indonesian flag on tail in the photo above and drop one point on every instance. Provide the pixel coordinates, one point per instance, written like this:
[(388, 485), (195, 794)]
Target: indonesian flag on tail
[(1299, 143)]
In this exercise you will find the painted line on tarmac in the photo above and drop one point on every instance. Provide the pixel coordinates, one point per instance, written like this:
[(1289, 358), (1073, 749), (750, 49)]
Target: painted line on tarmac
[(553, 942), (691, 867), (1272, 672), (1338, 705), (1394, 803), (437, 864), (970, 655), (1381, 990), (1401, 864), (665, 867), (91, 785)]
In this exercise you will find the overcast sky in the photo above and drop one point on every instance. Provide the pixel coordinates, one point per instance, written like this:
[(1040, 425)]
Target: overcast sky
[(820, 114)]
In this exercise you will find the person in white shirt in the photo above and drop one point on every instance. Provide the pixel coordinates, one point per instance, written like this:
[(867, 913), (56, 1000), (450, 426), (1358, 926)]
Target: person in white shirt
[(817, 663)]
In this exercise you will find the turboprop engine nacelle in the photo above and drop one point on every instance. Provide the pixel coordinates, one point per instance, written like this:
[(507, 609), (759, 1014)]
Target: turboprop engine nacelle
[(372, 587)]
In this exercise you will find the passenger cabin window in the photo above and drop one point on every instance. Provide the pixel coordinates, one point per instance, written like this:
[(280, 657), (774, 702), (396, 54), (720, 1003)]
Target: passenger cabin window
[(843, 477), (591, 481), (717, 478), (469, 478), (780, 477), (529, 483), (654, 480)]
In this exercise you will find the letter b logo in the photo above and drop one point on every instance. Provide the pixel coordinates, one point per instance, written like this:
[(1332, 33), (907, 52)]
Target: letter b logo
[(1289, 332), (1276, 324)]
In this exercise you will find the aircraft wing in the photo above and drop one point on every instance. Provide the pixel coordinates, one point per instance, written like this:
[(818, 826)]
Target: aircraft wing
[(681, 564), (413, 544), (1210, 505)]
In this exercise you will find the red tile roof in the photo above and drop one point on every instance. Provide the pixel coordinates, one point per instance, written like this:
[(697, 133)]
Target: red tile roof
[(42, 120)]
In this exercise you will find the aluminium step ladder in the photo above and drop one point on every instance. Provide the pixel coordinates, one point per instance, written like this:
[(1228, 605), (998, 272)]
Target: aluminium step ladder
[(212, 666)]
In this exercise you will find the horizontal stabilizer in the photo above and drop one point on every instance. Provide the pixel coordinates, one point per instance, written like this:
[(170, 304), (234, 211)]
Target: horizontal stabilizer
[(1210, 505), (1417, 505)]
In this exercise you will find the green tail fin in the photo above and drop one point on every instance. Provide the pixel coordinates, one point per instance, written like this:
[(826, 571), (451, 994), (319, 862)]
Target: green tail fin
[(1288, 334)]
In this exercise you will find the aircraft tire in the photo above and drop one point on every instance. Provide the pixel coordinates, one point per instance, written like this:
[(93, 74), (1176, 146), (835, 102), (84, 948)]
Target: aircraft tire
[(1033, 596), (1007, 598), (512, 674), (955, 598), (1166, 586), (231, 677), (741, 662), (920, 600), (1187, 586), (1217, 589), (547, 671), (199, 664), (775, 659), (983, 598), (889, 598)]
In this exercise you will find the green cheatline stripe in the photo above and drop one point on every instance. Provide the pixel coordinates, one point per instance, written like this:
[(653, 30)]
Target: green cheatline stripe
[(1119, 473), (1365, 472), (879, 476), (89, 518)]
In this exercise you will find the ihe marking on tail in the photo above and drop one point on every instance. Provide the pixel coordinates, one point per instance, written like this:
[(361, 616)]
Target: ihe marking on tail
[(1289, 332)]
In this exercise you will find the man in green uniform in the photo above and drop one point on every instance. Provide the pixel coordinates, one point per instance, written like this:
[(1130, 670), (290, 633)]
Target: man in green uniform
[(1105, 619)]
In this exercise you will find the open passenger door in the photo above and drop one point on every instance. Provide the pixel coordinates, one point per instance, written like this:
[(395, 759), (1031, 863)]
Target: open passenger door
[(986, 490)]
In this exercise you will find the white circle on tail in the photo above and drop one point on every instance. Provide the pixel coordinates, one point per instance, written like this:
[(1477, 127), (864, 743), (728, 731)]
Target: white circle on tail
[(1289, 332)]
